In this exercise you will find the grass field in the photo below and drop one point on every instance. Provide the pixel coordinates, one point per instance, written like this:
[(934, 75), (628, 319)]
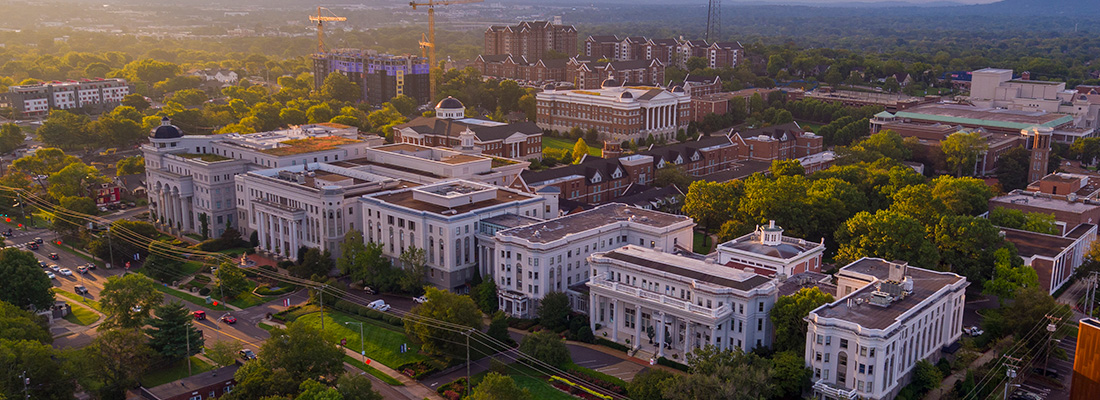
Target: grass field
[(189, 298), (382, 344), (566, 144), (702, 243), (81, 316), (248, 299), (809, 126), (373, 371), (174, 372), (76, 298), (531, 380)]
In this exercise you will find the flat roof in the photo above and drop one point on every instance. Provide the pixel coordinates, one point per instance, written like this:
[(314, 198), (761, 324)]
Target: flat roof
[(993, 117), (1045, 202), (404, 198), (607, 214), (193, 383), (687, 267), (308, 145), (1031, 244), (511, 220), (925, 284)]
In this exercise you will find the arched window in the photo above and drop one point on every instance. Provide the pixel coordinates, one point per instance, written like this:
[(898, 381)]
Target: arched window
[(431, 249)]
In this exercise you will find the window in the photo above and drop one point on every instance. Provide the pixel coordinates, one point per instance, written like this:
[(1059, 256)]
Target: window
[(199, 397), (759, 324), (761, 308), (828, 340), (817, 357), (862, 350), (844, 343), (870, 370), (826, 357), (819, 338), (862, 369)]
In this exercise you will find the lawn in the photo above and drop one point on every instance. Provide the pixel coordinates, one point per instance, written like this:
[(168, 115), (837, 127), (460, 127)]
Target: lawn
[(190, 268), (189, 298), (566, 144), (248, 299), (76, 298), (532, 380), (81, 316), (383, 342), (809, 126), (173, 372), (702, 243), (373, 371)]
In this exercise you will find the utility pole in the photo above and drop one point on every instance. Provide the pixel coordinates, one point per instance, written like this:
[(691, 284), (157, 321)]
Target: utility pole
[(1010, 372), (110, 247), (1051, 327), (187, 334), (1090, 292), (26, 383), (362, 353), (321, 292), (468, 361)]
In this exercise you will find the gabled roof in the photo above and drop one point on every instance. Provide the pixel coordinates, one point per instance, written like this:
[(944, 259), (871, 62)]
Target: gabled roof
[(728, 45), (688, 149), (664, 42), (452, 128), (702, 79), (787, 131), (587, 169), (642, 196), (603, 38)]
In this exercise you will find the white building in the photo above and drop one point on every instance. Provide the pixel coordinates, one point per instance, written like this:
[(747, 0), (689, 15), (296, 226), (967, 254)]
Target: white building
[(887, 317), (95, 95), (443, 219), (619, 113), (995, 88), (422, 164), (552, 256), (689, 303), (767, 252), (221, 75), (189, 176)]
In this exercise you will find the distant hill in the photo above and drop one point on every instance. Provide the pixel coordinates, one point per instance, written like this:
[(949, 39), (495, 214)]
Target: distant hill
[(1068, 8)]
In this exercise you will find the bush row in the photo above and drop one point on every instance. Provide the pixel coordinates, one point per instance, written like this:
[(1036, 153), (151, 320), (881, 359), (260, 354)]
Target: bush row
[(599, 379), (363, 311), (672, 364), (613, 345), (417, 370), (265, 290), (522, 324)]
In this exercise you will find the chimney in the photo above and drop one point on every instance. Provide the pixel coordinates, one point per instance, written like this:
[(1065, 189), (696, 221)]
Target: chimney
[(1025, 76)]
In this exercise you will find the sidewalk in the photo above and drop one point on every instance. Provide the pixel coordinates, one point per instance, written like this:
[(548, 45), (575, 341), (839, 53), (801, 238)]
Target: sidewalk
[(949, 383)]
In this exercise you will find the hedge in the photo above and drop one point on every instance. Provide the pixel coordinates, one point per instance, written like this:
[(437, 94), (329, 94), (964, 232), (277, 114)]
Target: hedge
[(417, 370), (363, 311), (673, 364), (265, 290), (613, 345), (599, 378)]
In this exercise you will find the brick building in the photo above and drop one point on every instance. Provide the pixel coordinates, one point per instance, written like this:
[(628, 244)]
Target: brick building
[(507, 66), (780, 142), (601, 46), (588, 74), (380, 76), (724, 54), (1071, 198), (1053, 257), (718, 102), (618, 113), (661, 49), (698, 85), (531, 39), (449, 128)]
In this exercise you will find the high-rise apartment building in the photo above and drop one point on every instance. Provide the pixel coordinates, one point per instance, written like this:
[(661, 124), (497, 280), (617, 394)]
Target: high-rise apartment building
[(380, 76), (531, 39), (94, 95)]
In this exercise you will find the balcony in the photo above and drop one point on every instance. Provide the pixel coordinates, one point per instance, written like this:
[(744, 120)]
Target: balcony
[(834, 392), (669, 302)]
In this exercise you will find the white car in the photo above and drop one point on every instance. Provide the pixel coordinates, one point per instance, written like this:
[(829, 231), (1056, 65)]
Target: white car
[(973, 331), (379, 305), (55, 267), (420, 300), (66, 272), (51, 275)]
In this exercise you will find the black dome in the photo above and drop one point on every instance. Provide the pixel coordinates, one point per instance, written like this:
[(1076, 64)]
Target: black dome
[(166, 130), (626, 95), (678, 89), (549, 86), (450, 102), (611, 82)]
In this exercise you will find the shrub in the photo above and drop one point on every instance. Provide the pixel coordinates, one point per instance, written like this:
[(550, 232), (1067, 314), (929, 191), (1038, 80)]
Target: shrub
[(673, 364), (204, 291), (417, 370), (521, 323), (613, 345)]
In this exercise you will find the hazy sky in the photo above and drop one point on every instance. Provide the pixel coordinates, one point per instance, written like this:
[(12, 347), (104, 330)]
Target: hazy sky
[(861, 1)]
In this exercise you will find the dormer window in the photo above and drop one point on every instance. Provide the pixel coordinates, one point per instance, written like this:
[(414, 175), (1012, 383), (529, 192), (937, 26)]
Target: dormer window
[(596, 178), (617, 174)]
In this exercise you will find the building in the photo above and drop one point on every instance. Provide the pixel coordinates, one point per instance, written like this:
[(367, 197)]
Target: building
[(1071, 198), (451, 129), (665, 50), (892, 102), (189, 176), (204, 385), (424, 165), (823, 160), (531, 39), (767, 252), (1086, 361), (619, 113), (688, 303), (107, 194), (992, 120), (520, 68), (557, 245), (601, 46), (590, 73), (443, 218), (718, 102), (696, 85), (37, 100), (597, 180), (225, 76), (778, 142), (381, 77), (1054, 258), (724, 54), (887, 316), (996, 88)]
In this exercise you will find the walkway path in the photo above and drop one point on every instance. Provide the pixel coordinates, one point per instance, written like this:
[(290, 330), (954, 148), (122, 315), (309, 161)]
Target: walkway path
[(949, 383)]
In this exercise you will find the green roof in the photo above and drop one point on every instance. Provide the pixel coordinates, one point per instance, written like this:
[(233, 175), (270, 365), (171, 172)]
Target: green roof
[(984, 122), (884, 114)]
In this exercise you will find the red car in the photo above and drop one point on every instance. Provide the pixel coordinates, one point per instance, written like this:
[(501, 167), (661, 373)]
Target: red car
[(199, 315), (229, 319)]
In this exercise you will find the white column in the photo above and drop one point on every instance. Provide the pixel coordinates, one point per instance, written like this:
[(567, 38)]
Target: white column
[(179, 212), (261, 231), (294, 236), (664, 117), (281, 235), (189, 211), (592, 319), (637, 327), (616, 320), (660, 334)]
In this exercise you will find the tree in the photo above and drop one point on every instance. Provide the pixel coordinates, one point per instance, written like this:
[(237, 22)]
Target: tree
[(65, 129), (883, 144), (204, 225), (356, 387), (792, 376), (74, 180), (787, 317), (254, 239), (885, 234), (448, 307), (962, 196), (223, 352), (891, 85), (1012, 168), (1030, 309), (24, 285), (786, 168), (498, 327), (188, 97), (117, 357), (161, 264), (171, 333), (256, 379), (303, 351), (528, 105), (404, 104), (485, 295), (554, 311), (414, 265), (724, 374), (1041, 223), (19, 324), (231, 280), (580, 149), (1009, 276), (130, 166), (11, 137), (672, 175), (961, 151), (917, 202), (648, 384), (545, 346), (339, 87), (45, 161), (319, 113), (1086, 150), (966, 245), (127, 300), (926, 376), (313, 262), (499, 387), (136, 101), (312, 390), (43, 366), (712, 203)]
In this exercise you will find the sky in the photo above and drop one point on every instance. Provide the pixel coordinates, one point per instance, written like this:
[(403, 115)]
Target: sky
[(861, 1)]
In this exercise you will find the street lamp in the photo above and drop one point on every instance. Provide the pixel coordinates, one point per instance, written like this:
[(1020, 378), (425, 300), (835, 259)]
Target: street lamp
[(362, 352), (1006, 389)]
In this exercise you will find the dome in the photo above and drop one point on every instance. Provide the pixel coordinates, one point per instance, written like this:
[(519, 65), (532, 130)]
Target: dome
[(450, 103), (626, 96), (610, 83), (678, 89), (549, 87), (166, 130)]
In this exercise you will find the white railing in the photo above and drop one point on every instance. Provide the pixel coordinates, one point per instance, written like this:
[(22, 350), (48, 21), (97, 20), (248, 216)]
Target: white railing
[(717, 312), (830, 391)]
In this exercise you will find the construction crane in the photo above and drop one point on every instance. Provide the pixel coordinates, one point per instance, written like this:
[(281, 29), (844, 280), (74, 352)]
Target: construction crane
[(320, 20), (429, 42)]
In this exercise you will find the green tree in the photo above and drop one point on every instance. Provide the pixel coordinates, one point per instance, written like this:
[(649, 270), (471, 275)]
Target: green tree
[(926, 376), (448, 307), (338, 87), (162, 264), (65, 130), (885, 234), (171, 333), (127, 300), (19, 324), (313, 262), (648, 384), (74, 180), (485, 294), (961, 151), (188, 97), (223, 352), (319, 113), (1009, 276), (712, 203), (547, 347), (787, 317), (414, 268), (24, 285), (47, 161), (130, 166), (312, 390), (724, 374), (554, 311), (917, 202), (256, 379), (231, 281), (786, 168), (966, 245), (962, 196), (1085, 150), (356, 387), (204, 225), (1030, 309), (136, 101), (792, 377), (891, 85), (11, 137), (303, 351), (1041, 223), (528, 105), (883, 144), (404, 104), (293, 116), (580, 149), (499, 387), (117, 357), (672, 175), (775, 64), (498, 327), (43, 366)]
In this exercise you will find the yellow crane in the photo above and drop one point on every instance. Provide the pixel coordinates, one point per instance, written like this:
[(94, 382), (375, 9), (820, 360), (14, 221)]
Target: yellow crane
[(320, 20), (429, 42)]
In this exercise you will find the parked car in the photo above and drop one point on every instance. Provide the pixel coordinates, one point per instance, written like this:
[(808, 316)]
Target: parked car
[(42, 264), (89, 266), (1047, 372), (66, 272), (82, 269), (199, 315), (369, 290), (420, 300), (51, 275), (55, 267), (136, 308), (247, 354), (54, 256), (973, 331), (229, 319), (80, 289), (379, 305)]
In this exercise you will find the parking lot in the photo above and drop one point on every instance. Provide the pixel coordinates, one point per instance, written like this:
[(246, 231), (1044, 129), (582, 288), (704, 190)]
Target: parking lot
[(1045, 387)]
